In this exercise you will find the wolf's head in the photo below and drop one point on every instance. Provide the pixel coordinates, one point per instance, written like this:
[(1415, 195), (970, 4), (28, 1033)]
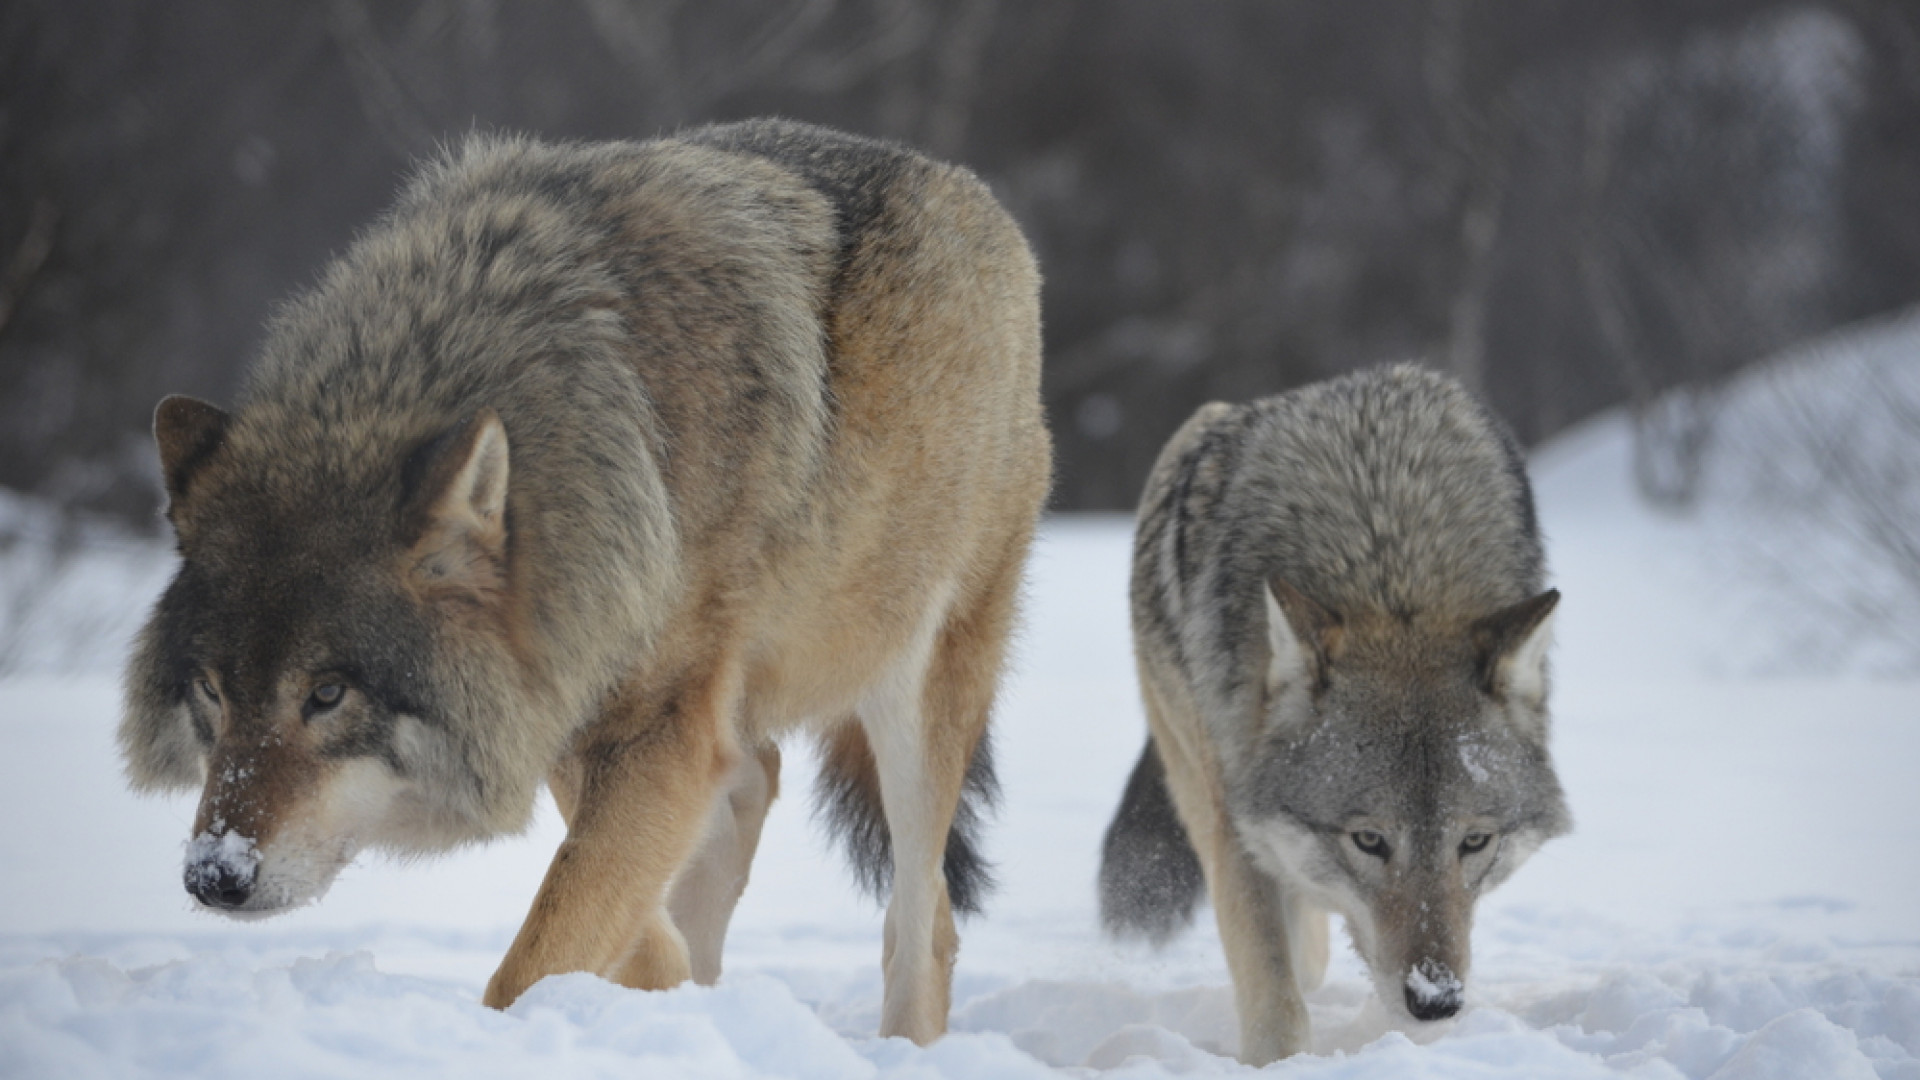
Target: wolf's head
[(314, 663), (1402, 772)]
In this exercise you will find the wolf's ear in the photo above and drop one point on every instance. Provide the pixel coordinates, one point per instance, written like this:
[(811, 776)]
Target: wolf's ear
[(1303, 637), (457, 513), (188, 431), (1513, 649)]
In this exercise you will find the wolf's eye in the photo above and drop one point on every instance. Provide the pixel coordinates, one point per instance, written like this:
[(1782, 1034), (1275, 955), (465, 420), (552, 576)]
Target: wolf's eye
[(1476, 841), (326, 697), (205, 686), (1370, 842)]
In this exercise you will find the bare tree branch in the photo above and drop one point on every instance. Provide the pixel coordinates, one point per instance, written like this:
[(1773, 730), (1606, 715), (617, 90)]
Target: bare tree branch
[(28, 257), (639, 33), (957, 66), (772, 49), (394, 113), (900, 29)]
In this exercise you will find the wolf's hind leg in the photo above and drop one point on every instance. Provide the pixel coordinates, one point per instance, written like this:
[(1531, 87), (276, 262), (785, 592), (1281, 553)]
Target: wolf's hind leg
[(926, 733), (920, 767), (708, 888)]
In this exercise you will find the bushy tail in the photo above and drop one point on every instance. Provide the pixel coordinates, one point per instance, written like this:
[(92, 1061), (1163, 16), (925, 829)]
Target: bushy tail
[(847, 797), (1150, 878)]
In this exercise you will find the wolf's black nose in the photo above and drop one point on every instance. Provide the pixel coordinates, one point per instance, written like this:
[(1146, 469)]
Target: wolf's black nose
[(1432, 1006), (218, 886)]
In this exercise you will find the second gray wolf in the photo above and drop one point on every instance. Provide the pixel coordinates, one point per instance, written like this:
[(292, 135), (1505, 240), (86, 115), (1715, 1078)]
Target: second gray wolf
[(603, 466), (1341, 630)]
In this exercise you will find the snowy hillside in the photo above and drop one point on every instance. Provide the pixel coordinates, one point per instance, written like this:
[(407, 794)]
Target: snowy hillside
[(1740, 898)]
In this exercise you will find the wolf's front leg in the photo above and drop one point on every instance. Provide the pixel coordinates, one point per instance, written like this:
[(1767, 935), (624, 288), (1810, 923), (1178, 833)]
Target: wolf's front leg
[(637, 805), (1252, 915)]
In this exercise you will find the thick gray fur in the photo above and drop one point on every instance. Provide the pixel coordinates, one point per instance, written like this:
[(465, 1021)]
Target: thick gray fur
[(1402, 693)]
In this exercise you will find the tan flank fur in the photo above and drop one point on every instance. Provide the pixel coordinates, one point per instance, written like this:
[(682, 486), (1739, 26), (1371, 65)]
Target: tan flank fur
[(607, 466)]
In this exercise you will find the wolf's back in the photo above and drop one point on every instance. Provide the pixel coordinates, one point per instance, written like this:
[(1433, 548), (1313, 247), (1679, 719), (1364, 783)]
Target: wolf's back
[(1389, 492)]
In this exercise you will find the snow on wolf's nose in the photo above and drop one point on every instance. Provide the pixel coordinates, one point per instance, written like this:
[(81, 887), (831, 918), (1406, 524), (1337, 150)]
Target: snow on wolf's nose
[(220, 869), (1433, 991)]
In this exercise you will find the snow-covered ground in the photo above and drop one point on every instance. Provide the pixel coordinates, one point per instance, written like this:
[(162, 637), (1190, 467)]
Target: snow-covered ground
[(1740, 899)]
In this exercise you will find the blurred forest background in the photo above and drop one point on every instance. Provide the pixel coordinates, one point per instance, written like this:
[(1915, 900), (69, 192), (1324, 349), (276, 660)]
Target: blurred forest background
[(1570, 203)]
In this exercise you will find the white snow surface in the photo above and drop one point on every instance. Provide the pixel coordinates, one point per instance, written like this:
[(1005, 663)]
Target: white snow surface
[(1740, 898)]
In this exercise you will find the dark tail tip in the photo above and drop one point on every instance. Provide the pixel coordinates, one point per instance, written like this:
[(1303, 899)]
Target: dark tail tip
[(847, 797), (1150, 878)]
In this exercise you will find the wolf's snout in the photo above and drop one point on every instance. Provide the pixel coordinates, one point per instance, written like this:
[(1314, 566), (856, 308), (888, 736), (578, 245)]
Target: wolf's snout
[(1435, 1008), (219, 886), (1433, 991), (221, 869)]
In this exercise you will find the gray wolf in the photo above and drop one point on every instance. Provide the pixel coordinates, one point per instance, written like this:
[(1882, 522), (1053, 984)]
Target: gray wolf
[(605, 466), (1341, 637)]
